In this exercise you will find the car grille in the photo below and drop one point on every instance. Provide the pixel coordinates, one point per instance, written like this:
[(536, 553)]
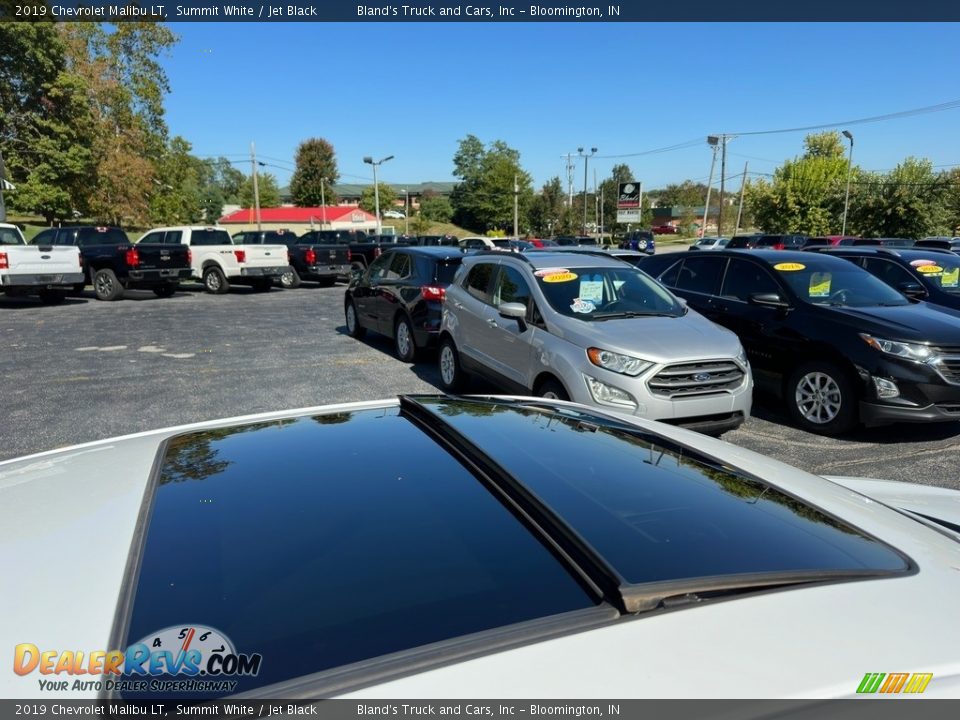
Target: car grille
[(697, 378), (949, 368)]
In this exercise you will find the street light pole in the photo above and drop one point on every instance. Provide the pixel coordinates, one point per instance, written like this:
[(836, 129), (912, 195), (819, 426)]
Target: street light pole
[(712, 141), (586, 160), (406, 212), (323, 203), (846, 201), (3, 185), (376, 186)]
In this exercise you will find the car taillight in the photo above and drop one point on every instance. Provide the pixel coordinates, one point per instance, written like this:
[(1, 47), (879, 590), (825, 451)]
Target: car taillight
[(4, 262), (189, 257), (377, 252), (133, 258), (779, 246), (241, 255), (433, 292), (349, 256), (80, 260), (310, 256)]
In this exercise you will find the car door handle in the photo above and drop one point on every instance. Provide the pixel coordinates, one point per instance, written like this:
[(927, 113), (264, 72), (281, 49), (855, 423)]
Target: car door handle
[(458, 305), (492, 323)]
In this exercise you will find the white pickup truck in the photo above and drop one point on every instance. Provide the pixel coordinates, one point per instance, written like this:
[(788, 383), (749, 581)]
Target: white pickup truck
[(217, 262), (36, 269)]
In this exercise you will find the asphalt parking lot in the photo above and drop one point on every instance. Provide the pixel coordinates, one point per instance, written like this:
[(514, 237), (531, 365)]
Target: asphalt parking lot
[(87, 370)]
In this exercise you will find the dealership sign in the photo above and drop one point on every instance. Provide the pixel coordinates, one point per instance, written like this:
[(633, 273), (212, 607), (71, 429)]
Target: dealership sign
[(629, 196)]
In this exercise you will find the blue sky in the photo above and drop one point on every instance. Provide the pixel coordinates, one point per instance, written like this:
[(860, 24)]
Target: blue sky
[(414, 90)]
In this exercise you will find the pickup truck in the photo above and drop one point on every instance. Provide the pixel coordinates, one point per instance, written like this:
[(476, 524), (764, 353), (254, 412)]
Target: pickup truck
[(112, 264), (321, 262), (217, 262), (45, 270), (365, 251)]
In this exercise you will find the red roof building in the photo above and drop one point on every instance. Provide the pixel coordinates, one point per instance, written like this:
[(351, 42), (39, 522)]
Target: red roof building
[(301, 219)]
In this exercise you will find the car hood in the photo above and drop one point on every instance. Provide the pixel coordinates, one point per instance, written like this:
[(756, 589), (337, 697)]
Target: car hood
[(936, 503), (918, 322), (661, 339)]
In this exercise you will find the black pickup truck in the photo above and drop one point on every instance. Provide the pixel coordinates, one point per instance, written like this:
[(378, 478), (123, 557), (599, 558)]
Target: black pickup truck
[(364, 252), (315, 256), (113, 264)]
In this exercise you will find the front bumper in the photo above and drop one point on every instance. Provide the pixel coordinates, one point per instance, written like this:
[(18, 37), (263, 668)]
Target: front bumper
[(873, 414), (264, 272), (924, 394), (31, 280)]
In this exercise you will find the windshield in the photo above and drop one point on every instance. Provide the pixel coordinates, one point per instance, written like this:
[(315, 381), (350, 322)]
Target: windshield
[(10, 236), (821, 283), (942, 271), (601, 293), (445, 270)]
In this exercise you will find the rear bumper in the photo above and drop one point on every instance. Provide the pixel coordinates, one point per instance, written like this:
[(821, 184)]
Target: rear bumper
[(264, 272), (151, 278), (327, 271), (40, 280)]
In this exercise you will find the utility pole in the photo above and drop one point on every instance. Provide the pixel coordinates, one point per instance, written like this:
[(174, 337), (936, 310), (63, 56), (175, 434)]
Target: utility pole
[(3, 185), (712, 141), (570, 167), (723, 177), (743, 185), (586, 162), (596, 204), (601, 213), (256, 187), (323, 203), (640, 206), (406, 211), (516, 217)]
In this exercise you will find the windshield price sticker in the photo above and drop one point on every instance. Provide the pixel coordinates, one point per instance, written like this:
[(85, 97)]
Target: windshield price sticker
[(921, 263), (582, 306), (549, 271), (930, 269), (560, 277), (820, 285), (789, 267), (950, 278), (591, 291)]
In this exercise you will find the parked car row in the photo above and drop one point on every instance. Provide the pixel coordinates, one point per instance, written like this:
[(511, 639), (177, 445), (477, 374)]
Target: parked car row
[(756, 241)]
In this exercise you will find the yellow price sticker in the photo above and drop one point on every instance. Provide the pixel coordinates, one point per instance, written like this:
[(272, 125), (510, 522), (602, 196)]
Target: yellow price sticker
[(820, 285), (930, 269), (951, 278), (560, 277), (789, 267)]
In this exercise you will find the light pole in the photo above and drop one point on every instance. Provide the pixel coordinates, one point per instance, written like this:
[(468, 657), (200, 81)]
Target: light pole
[(712, 141), (846, 201), (376, 187), (323, 203), (406, 212), (586, 160)]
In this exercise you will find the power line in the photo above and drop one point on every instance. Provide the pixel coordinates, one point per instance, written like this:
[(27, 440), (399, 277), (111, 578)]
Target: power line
[(941, 107), (668, 148)]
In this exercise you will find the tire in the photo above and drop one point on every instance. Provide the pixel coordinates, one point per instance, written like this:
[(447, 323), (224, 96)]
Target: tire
[(262, 285), (327, 282), (552, 390), (52, 297), (821, 398), (106, 286), (290, 280), (214, 281), (166, 290), (452, 377), (404, 342), (354, 329)]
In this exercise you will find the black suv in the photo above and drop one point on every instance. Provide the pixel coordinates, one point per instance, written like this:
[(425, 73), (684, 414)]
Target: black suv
[(767, 242), (931, 275), (401, 296), (838, 344)]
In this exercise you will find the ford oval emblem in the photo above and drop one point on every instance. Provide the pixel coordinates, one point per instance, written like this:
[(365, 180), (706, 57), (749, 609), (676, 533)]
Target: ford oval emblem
[(702, 377), (44, 257)]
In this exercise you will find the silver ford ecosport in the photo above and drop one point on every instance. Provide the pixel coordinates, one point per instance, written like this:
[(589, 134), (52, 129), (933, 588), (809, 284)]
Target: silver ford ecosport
[(595, 330)]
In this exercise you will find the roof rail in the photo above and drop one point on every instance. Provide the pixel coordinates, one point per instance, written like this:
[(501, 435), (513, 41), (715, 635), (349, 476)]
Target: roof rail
[(497, 253)]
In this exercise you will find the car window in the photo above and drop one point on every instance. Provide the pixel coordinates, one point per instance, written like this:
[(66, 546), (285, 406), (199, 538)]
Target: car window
[(835, 282), (744, 278), (890, 272), (399, 267), (601, 293), (152, 237), (10, 236), (45, 237), (444, 270), (943, 270), (701, 274), (241, 239), (512, 287), (173, 237), (670, 277), (379, 266), (101, 236), (478, 281), (350, 560), (210, 237)]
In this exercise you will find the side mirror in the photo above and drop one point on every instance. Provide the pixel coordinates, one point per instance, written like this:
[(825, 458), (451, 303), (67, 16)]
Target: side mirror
[(912, 290), (515, 310), (768, 300)]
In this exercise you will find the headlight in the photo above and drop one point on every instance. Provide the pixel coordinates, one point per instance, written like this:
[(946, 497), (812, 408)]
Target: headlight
[(742, 357), (615, 362), (909, 351)]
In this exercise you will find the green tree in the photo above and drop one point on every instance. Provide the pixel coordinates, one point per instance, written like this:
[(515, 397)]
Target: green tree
[(387, 198), (547, 208), (805, 194), (685, 194), (436, 208), (269, 191), (315, 164), (228, 180), (483, 200), (177, 198), (910, 201), (610, 189)]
